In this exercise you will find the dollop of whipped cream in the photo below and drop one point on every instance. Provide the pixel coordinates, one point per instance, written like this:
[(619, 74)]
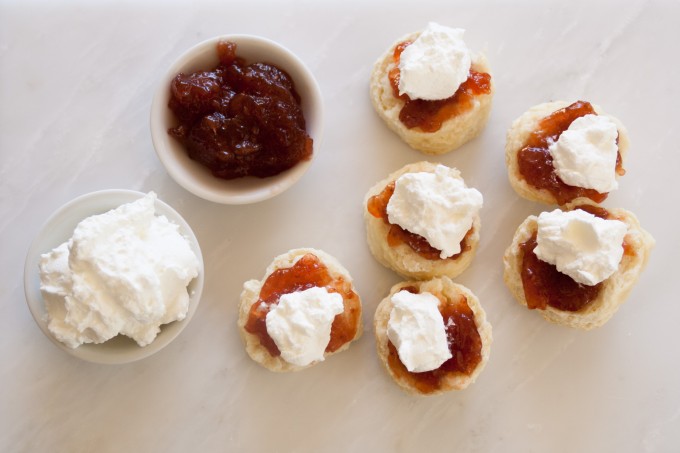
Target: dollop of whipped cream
[(300, 324), (581, 245), (434, 65), (416, 328), (436, 206), (122, 272), (585, 154)]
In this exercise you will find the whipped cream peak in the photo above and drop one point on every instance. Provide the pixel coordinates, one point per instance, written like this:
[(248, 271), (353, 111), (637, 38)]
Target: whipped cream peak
[(585, 154), (416, 328), (122, 272), (434, 65), (435, 205), (300, 324), (580, 245)]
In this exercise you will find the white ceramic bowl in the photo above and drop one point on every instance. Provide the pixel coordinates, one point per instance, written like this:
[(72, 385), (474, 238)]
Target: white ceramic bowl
[(198, 179), (59, 228)]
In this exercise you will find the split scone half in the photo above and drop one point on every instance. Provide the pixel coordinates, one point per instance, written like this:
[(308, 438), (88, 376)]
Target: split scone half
[(557, 294), (591, 155), (432, 336), (434, 201), (303, 310), (431, 126)]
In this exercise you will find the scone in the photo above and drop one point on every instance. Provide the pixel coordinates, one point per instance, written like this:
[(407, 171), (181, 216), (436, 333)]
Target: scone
[(303, 310), (412, 222), (427, 118), (589, 158), (558, 294), (445, 352)]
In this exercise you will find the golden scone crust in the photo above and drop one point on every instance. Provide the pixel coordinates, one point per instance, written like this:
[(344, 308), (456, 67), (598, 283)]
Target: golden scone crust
[(444, 288), (251, 294), (454, 132), (519, 133), (402, 258), (614, 290)]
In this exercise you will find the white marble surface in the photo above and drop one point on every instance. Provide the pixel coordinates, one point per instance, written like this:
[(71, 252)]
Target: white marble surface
[(76, 80)]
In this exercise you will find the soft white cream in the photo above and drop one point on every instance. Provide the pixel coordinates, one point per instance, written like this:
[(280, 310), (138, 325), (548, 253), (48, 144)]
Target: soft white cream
[(582, 246), (300, 324), (122, 272), (585, 154), (435, 64), (416, 328), (436, 206)]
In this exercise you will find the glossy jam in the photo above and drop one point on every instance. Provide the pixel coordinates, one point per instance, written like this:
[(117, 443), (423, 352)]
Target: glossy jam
[(240, 119), (465, 345), (307, 272), (377, 207), (536, 164), (545, 286), (430, 115), (597, 211)]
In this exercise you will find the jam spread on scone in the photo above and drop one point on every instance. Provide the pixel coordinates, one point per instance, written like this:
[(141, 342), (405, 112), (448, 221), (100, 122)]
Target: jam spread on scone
[(545, 286), (430, 115), (464, 341), (377, 207), (240, 119), (307, 272), (536, 163)]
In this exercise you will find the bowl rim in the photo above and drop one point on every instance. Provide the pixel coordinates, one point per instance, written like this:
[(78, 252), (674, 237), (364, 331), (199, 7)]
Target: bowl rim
[(59, 228), (196, 178)]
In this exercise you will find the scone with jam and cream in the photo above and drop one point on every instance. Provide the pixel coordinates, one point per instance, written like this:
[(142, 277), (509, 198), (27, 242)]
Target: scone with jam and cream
[(303, 310), (578, 265), (432, 336), (422, 221), (432, 90), (559, 151)]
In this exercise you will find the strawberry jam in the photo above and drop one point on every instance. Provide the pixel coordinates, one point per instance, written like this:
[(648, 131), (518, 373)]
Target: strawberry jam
[(464, 341), (307, 272), (545, 286), (535, 161), (377, 207), (430, 115), (240, 119)]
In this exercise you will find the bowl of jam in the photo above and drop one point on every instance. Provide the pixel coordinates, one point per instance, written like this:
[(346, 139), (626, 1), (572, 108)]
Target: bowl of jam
[(237, 119)]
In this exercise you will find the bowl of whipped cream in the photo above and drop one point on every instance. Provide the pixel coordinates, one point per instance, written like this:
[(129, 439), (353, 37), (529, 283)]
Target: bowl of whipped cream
[(114, 276)]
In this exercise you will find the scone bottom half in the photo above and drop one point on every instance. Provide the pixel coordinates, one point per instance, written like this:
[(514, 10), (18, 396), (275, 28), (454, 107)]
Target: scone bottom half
[(594, 305), (469, 337), (461, 117), (297, 270), (408, 254), (531, 172)]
